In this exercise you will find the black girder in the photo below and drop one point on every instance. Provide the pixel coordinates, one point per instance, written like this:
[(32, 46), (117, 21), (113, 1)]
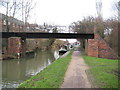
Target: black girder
[(46, 35)]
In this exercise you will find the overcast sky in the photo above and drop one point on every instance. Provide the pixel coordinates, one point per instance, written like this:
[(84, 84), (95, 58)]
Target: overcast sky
[(64, 12)]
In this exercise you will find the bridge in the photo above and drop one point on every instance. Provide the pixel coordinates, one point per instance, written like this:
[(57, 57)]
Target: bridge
[(17, 36), (95, 44), (47, 35), (17, 40)]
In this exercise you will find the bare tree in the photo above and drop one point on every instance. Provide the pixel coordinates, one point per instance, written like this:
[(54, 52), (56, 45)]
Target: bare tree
[(116, 9), (12, 7), (14, 10), (27, 7), (5, 3)]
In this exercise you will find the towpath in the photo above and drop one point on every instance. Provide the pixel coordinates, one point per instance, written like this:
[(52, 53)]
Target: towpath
[(75, 76)]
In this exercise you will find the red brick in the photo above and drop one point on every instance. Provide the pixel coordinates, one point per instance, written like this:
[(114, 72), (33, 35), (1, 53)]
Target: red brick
[(16, 45), (97, 47)]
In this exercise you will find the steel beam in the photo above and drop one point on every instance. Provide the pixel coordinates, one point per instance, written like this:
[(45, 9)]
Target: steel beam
[(47, 35)]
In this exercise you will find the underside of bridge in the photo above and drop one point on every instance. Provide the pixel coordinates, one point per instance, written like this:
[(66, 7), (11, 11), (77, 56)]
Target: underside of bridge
[(47, 35), (96, 46), (17, 40)]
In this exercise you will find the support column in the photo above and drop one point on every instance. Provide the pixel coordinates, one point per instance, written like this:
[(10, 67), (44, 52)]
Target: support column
[(23, 46), (93, 45), (98, 47), (16, 46)]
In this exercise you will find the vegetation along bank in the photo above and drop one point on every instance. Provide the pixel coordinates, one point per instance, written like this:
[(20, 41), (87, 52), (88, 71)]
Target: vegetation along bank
[(103, 73), (51, 77)]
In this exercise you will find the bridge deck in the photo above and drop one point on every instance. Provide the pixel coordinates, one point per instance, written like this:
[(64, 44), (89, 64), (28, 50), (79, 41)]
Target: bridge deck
[(46, 35)]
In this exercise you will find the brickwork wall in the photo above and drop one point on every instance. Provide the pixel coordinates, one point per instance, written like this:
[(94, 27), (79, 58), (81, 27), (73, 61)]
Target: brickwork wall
[(105, 51), (97, 47), (16, 45), (23, 47), (92, 48)]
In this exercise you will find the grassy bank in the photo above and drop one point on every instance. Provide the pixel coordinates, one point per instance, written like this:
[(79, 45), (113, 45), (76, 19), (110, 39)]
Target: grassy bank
[(51, 77), (104, 72)]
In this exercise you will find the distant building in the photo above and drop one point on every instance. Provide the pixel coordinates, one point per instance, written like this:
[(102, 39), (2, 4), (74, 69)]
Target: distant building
[(14, 25), (77, 44), (34, 27)]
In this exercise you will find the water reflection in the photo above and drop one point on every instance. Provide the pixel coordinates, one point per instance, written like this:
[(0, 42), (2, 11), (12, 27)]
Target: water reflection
[(18, 70), (56, 54)]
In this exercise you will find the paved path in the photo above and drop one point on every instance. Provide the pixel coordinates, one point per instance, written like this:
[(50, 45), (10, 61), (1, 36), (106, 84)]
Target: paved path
[(75, 76)]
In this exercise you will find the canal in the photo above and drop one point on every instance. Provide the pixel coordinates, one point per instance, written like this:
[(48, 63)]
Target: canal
[(16, 71)]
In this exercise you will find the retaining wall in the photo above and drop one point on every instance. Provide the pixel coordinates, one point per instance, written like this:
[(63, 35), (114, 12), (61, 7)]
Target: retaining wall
[(97, 47)]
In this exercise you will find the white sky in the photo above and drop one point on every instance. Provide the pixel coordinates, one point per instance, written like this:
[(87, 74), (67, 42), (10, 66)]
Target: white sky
[(64, 12)]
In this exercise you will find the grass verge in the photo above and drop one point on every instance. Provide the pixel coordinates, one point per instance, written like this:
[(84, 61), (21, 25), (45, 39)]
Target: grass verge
[(51, 77), (104, 71)]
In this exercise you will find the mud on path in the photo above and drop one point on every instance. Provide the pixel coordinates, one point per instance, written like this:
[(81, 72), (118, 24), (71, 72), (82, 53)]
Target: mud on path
[(75, 76)]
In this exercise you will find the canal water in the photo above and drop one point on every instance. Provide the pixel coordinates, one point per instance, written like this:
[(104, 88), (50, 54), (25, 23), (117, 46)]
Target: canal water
[(16, 71)]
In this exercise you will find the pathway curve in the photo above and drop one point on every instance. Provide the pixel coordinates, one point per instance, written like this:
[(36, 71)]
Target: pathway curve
[(75, 76)]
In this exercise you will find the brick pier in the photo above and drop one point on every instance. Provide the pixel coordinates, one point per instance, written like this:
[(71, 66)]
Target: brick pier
[(16, 45), (98, 47)]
